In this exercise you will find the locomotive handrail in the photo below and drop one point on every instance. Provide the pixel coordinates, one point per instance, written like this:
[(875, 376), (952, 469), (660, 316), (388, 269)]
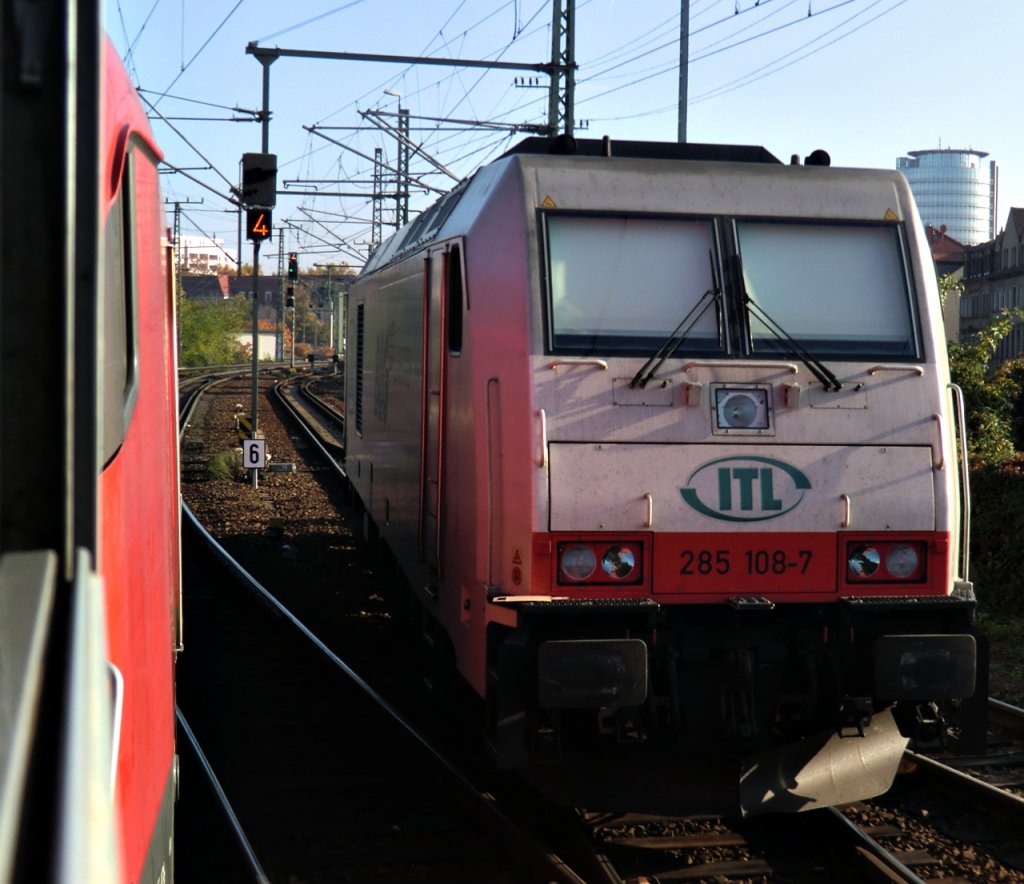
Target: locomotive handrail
[(600, 363), (730, 363), (88, 748), (650, 510), (492, 384), (913, 369), (941, 462), (965, 480), (542, 461), (847, 510)]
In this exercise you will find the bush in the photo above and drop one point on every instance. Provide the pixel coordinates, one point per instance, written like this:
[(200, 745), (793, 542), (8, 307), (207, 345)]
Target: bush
[(225, 466), (994, 405), (997, 524), (990, 399)]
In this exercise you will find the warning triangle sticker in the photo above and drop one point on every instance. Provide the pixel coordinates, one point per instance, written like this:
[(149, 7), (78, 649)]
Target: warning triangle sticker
[(890, 215), (516, 560), (548, 203)]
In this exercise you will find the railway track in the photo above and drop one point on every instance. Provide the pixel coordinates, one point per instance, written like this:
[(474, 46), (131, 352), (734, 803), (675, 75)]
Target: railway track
[(997, 775), (804, 847), (322, 422), (326, 779), (892, 841), (992, 785)]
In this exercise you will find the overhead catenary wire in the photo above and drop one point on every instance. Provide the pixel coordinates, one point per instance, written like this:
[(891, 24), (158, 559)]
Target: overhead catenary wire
[(672, 25), (473, 150), (199, 51), (129, 55), (672, 65), (230, 107), (471, 29), (310, 21), (198, 152), (210, 237), (776, 66)]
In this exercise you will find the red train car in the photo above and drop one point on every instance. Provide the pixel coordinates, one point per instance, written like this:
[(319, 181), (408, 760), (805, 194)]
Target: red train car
[(89, 540), (138, 552)]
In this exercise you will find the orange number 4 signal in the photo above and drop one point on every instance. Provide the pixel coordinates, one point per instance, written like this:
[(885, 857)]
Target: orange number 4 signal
[(258, 223)]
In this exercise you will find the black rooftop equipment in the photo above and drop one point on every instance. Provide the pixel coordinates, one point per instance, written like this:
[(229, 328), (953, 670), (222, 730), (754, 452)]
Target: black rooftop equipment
[(651, 150)]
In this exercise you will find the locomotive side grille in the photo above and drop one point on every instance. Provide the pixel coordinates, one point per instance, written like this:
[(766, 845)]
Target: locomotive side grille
[(360, 327)]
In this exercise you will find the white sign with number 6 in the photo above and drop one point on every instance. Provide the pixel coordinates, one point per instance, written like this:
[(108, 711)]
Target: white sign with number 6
[(254, 454)]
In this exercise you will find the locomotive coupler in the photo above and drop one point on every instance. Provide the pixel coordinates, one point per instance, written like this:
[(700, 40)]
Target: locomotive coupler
[(854, 716), (929, 725)]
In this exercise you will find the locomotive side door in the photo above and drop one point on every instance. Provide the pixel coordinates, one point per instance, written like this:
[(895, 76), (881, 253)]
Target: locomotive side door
[(432, 431)]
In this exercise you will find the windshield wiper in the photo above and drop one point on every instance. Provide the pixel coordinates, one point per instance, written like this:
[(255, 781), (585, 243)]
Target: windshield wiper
[(672, 343), (816, 367)]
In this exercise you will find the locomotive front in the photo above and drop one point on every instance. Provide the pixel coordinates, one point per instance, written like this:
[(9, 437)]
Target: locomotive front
[(747, 532)]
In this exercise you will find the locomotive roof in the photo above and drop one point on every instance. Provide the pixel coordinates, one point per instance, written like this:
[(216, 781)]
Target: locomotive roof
[(649, 150), (426, 226)]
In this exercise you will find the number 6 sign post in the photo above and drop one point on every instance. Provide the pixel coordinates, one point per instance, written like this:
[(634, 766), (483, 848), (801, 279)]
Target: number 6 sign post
[(254, 454)]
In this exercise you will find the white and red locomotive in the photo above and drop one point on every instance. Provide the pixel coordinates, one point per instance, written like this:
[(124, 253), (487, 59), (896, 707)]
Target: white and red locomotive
[(663, 439)]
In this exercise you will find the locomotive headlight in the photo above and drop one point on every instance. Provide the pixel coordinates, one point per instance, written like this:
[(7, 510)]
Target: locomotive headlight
[(578, 562), (741, 409), (887, 561), (590, 563), (618, 562), (864, 561), (902, 560)]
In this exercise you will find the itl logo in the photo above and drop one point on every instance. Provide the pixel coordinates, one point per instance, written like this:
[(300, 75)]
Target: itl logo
[(745, 489)]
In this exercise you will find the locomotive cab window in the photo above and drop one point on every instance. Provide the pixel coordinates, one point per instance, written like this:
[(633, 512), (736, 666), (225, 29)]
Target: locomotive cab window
[(626, 284), (839, 290), (620, 284), (118, 315), (454, 292)]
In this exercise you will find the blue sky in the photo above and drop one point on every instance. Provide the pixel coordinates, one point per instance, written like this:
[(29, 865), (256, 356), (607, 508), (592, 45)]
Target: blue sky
[(866, 80)]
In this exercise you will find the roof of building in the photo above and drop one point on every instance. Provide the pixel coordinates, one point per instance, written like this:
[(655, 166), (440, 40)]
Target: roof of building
[(944, 249), (941, 150), (207, 287), (1016, 218), (204, 287)]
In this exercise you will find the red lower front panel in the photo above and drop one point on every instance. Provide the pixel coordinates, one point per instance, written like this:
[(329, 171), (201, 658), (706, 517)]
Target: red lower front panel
[(693, 567), (727, 564)]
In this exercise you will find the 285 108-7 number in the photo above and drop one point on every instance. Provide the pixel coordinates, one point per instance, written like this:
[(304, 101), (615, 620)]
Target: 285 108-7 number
[(751, 562)]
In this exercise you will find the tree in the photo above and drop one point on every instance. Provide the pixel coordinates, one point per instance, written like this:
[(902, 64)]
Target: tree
[(995, 416), (337, 271), (208, 331), (991, 398), (1011, 373)]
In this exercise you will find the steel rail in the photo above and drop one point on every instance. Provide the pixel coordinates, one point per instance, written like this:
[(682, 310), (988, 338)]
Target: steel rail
[(954, 782), (875, 853), (222, 799), (1004, 714), (532, 851)]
